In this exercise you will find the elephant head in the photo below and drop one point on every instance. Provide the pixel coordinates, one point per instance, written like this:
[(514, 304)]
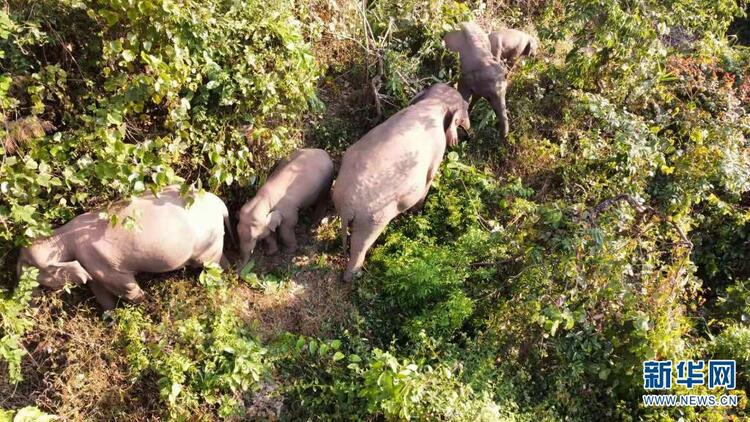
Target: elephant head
[(257, 221), (47, 255), (456, 109)]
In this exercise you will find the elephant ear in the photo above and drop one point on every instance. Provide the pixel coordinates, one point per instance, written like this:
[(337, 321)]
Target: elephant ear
[(71, 271), (495, 45), (454, 41), (274, 219)]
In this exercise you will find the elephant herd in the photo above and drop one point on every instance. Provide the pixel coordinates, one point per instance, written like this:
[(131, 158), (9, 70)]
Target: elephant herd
[(388, 171)]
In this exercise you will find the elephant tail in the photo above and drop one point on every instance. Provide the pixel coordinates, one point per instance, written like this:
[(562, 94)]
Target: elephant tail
[(228, 228), (346, 221)]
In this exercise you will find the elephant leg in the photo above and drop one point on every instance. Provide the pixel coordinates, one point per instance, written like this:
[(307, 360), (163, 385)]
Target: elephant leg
[(464, 89), (473, 101), (105, 298), (497, 102), (122, 285), (286, 233), (420, 204), (107, 283), (218, 255), (416, 208), (224, 263), (430, 177), (133, 293), (215, 255), (271, 246), (363, 236), (321, 208)]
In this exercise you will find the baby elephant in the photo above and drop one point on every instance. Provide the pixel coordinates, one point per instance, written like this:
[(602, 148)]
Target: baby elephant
[(305, 178), (510, 45), (168, 235), (392, 167)]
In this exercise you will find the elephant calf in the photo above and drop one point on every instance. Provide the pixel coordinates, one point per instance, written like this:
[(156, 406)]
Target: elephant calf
[(302, 180), (391, 168), (510, 45), (168, 235), (485, 61)]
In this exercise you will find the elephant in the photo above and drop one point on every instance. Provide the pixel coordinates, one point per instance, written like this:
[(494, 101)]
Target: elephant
[(391, 168), (510, 45), (168, 234), (298, 182), (485, 62)]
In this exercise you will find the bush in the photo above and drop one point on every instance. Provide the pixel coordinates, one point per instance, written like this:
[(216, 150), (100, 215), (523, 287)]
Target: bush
[(375, 382), (143, 95), (17, 320), (201, 355)]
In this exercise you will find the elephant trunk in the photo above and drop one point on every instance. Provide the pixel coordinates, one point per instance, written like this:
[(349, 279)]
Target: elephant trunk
[(247, 251)]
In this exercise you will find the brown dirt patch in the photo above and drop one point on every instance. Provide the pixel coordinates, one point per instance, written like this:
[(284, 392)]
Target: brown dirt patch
[(73, 369), (300, 293)]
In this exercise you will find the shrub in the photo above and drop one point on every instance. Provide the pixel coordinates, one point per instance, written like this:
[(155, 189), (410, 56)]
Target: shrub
[(26, 414), (17, 320), (143, 95), (200, 355)]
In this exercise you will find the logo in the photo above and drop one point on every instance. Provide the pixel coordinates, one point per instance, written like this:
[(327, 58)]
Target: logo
[(657, 374), (663, 374)]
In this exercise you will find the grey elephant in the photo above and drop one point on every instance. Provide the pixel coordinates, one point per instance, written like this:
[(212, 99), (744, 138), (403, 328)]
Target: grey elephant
[(482, 75), (510, 45), (298, 182), (167, 234), (391, 168), (485, 62)]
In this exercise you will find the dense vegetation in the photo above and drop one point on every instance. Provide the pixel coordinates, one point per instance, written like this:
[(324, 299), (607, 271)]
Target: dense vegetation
[(612, 227)]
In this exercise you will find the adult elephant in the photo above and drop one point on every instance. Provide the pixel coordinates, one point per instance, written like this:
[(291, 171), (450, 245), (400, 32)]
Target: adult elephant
[(168, 234), (391, 168)]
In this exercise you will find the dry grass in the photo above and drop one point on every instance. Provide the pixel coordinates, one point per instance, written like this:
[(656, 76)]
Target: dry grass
[(309, 298), (22, 130), (73, 368)]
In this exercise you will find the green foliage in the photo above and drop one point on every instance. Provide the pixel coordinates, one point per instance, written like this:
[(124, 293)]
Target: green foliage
[(203, 355), (550, 300), (734, 343), (408, 36), (16, 321), (375, 382), (143, 94), (26, 414)]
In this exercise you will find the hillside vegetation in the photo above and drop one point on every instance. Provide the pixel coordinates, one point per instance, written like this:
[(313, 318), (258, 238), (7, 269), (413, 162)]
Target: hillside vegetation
[(610, 228)]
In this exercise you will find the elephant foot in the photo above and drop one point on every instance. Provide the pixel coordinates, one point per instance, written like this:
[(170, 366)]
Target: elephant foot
[(224, 263), (136, 297), (272, 251), (290, 249), (347, 277), (350, 275)]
